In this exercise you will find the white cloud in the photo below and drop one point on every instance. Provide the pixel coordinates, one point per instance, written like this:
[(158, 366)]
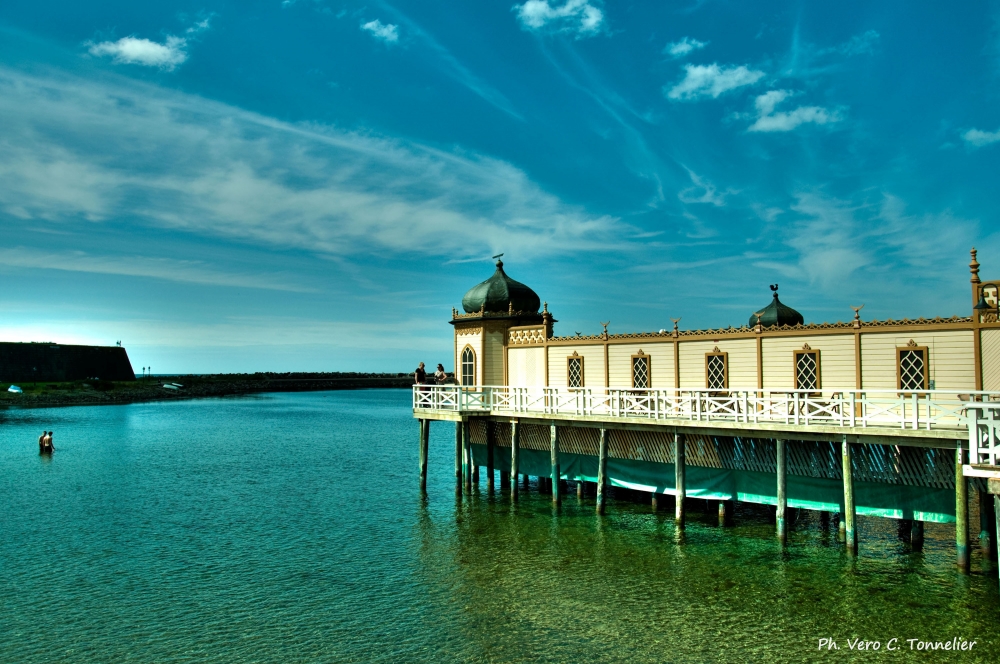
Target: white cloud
[(712, 80), (134, 51), (863, 44), (769, 120), (702, 191), (388, 33), (679, 49), (978, 138), (579, 16), (78, 152)]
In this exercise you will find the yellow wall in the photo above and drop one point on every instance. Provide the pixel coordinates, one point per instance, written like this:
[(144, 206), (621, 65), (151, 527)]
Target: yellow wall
[(661, 363), (836, 360), (990, 345), (593, 364), (951, 359), (526, 366), (742, 362)]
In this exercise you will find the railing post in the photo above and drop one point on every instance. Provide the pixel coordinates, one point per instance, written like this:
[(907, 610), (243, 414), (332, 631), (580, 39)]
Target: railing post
[(680, 487), (961, 511), (972, 419), (602, 470), (515, 444), (850, 532), (554, 458), (916, 411), (782, 455), (854, 408)]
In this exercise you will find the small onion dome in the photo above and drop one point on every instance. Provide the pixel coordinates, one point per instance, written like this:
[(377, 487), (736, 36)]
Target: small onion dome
[(776, 314), (500, 294)]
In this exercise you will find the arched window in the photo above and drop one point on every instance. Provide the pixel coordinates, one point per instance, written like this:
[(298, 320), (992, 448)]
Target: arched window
[(468, 366)]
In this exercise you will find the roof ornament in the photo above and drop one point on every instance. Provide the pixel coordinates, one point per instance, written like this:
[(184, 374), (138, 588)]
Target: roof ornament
[(675, 320), (606, 329), (498, 256), (974, 267), (857, 316), (774, 288), (911, 343)]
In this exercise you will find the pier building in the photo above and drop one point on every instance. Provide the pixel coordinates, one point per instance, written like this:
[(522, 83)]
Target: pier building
[(890, 418)]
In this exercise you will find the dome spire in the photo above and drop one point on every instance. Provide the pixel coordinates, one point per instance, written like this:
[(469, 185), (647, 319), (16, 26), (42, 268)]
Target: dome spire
[(776, 314)]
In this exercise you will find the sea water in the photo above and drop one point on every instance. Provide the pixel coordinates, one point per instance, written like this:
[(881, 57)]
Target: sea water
[(291, 528)]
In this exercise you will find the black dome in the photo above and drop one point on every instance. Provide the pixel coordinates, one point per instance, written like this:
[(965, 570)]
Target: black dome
[(776, 314), (500, 294)]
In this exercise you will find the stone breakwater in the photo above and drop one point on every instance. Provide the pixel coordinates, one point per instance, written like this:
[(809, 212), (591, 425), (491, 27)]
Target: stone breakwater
[(80, 393)]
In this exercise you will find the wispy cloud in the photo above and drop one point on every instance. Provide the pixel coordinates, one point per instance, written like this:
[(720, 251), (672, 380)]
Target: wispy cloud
[(977, 138), (679, 49), (168, 269), (770, 120), (577, 16), (102, 152), (863, 44), (135, 51), (388, 33), (712, 81), (702, 191)]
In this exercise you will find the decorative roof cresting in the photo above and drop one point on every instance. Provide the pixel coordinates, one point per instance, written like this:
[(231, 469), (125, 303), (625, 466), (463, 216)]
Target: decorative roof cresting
[(500, 295)]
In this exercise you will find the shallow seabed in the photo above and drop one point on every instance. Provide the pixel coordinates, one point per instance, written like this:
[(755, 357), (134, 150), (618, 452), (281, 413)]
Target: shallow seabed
[(290, 528)]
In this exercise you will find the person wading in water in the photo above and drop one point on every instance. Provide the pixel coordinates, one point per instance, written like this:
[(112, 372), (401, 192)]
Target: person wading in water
[(45, 443)]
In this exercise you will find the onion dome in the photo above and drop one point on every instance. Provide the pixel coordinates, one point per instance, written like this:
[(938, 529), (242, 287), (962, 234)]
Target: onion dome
[(776, 314), (499, 295)]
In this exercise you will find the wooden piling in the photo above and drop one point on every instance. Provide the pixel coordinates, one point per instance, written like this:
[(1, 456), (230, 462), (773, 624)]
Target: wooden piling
[(579, 490), (679, 483), (554, 459), (917, 535), (459, 459), (425, 434), (987, 536), (515, 444), (961, 512), (655, 501), (490, 470), (504, 480), (782, 456), (850, 532), (602, 470), (469, 463)]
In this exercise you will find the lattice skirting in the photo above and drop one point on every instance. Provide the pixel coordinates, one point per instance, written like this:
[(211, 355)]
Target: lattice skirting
[(883, 464)]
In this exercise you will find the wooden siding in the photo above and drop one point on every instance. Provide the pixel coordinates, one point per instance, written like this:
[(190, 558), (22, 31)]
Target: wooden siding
[(991, 359), (593, 364), (526, 366), (952, 364), (742, 361), (493, 358), (462, 340), (661, 363), (836, 360)]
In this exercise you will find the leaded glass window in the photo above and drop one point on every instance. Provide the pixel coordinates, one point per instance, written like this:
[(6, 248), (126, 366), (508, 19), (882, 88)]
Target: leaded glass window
[(807, 370), (640, 371), (715, 371), (574, 371), (912, 368), (468, 366)]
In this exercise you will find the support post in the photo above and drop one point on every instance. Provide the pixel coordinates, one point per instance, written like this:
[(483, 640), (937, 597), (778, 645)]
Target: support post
[(425, 434), (679, 484), (515, 443), (489, 456), (722, 512), (782, 456), (504, 480), (655, 502), (850, 533), (554, 459), (467, 444), (917, 535), (579, 490), (961, 512), (987, 536), (459, 459), (602, 470)]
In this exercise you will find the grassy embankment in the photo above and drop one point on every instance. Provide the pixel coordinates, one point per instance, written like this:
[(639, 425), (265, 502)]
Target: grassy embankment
[(46, 394)]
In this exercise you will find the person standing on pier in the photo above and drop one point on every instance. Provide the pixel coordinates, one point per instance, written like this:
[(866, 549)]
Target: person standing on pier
[(440, 376), (420, 375)]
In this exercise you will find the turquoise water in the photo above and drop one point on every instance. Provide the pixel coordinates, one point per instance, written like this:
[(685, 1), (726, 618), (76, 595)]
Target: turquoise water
[(290, 528)]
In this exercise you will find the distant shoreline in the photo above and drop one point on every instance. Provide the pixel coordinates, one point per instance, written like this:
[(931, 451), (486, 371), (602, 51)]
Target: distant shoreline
[(99, 393)]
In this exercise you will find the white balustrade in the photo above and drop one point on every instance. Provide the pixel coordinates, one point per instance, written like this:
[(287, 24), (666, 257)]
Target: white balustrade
[(984, 433), (924, 409)]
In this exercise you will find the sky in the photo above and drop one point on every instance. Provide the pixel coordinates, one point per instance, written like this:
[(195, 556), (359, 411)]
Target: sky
[(312, 185)]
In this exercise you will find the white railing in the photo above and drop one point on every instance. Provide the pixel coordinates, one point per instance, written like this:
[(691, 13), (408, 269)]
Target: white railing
[(984, 433), (922, 409)]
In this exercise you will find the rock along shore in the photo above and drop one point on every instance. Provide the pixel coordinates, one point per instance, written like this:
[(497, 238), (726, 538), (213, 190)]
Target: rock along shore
[(99, 392)]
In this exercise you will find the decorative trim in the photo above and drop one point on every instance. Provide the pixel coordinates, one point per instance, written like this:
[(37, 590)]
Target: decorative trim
[(649, 368), (575, 356), (468, 331), (911, 346), (911, 343), (806, 347)]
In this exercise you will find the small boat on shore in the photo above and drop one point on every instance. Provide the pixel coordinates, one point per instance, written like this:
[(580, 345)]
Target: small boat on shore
[(15, 389)]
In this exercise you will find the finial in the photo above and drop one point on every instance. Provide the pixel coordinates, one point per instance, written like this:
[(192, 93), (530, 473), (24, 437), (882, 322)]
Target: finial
[(606, 329), (774, 289), (675, 320), (545, 307), (974, 267), (857, 316), (510, 308)]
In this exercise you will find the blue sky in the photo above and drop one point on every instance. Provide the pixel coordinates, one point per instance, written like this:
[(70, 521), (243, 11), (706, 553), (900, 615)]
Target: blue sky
[(312, 185)]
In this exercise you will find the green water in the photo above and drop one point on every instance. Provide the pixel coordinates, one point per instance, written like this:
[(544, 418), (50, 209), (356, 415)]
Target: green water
[(290, 528)]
